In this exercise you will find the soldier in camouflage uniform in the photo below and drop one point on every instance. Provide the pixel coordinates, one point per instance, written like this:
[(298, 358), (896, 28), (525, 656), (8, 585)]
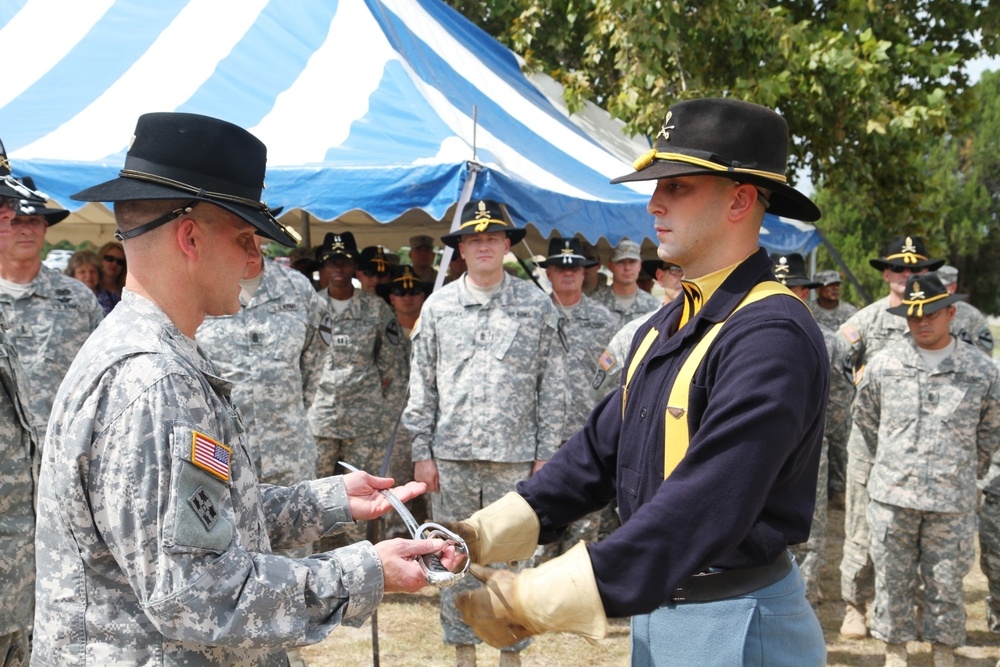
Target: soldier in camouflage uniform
[(18, 464), (866, 332), (272, 353), (790, 270), (828, 309), (374, 267), (623, 296), (154, 536), (406, 293), (970, 324), (486, 389), (349, 415), (585, 328), (928, 408), (989, 538), (50, 314)]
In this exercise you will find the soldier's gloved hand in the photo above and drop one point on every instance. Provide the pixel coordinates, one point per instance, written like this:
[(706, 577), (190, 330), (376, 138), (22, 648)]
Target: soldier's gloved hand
[(558, 596), (502, 532)]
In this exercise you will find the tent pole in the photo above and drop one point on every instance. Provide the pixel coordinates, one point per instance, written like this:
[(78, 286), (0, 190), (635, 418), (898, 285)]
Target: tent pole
[(456, 220)]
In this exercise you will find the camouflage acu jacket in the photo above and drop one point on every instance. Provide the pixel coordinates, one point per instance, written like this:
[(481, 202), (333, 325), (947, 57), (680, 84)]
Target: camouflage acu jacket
[(486, 380), (931, 432), (272, 353), (48, 324), (154, 536)]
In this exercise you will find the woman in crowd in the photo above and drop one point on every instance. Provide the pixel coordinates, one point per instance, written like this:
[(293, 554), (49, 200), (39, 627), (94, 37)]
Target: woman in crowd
[(113, 268), (85, 266)]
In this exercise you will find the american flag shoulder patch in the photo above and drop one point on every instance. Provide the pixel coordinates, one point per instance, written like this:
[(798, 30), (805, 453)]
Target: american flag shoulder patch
[(850, 333), (210, 455), (606, 360)]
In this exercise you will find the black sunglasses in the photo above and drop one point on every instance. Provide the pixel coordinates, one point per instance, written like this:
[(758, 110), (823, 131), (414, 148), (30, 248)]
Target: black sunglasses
[(116, 260), (899, 269)]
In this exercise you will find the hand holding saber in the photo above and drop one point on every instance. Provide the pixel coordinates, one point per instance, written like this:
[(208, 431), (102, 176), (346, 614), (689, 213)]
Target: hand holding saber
[(434, 570)]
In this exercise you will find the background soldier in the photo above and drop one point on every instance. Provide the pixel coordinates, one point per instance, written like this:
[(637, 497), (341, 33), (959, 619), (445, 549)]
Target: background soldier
[(154, 535), (989, 539), (406, 294), (790, 270), (349, 414), (969, 324), (585, 328), (623, 296), (422, 257), (50, 314), (828, 309), (866, 332), (486, 404), (928, 408), (373, 268), (18, 466), (273, 354)]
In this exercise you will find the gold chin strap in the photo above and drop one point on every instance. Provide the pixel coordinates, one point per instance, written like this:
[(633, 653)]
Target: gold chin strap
[(647, 159)]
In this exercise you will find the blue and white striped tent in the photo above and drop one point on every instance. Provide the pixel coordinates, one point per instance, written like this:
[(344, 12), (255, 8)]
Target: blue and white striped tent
[(372, 110)]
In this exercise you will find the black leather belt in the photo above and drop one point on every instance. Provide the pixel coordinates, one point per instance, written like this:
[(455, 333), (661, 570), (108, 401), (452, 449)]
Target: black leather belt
[(730, 583)]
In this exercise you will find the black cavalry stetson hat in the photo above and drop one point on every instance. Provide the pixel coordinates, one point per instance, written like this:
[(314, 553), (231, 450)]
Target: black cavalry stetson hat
[(925, 295), (189, 156), (53, 216), (565, 252), (481, 216), (404, 281), (790, 270), (725, 137), (12, 187), (906, 252), (337, 244), (651, 266)]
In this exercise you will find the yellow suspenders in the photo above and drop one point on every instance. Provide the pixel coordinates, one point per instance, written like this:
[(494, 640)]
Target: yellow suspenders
[(675, 434)]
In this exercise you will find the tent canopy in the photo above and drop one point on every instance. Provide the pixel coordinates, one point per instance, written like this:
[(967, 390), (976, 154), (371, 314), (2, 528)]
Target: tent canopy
[(375, 111)]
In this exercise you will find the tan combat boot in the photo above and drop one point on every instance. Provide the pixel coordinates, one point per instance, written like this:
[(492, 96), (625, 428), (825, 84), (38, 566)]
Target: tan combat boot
[(465, 655), (510, 659), (854, 626), (944, 656), (895, 655)]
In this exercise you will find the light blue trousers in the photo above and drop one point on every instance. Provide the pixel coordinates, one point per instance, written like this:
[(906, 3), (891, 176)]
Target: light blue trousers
[(770, 627)]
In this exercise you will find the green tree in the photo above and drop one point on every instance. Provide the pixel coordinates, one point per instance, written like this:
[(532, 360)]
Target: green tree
[(868, 88)]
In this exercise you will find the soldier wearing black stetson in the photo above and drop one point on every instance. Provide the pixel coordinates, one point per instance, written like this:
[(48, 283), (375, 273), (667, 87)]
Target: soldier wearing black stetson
[(711, 444)]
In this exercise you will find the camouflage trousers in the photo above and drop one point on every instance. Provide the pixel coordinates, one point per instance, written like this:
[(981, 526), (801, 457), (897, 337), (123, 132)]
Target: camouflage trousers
[(837, 451), (857, 580), (810, 555), (910, 547), (989, 558), (15, 649), (366, 453), (468, 486)]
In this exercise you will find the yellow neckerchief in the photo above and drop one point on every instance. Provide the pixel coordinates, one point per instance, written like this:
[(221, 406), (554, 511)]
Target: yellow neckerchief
[(675, 420), (699, 290)]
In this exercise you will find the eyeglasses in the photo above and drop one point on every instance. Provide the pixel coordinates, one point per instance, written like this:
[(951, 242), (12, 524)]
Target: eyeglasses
[(116, 260), (675, 271), (900, 269), (12, 203)]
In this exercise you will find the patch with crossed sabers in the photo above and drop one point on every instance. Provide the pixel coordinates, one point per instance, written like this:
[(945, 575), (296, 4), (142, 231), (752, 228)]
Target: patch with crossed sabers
[(203, 507)]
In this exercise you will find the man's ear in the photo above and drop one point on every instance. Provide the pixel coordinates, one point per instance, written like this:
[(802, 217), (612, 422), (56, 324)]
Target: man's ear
[(744, 197), (188, 236)]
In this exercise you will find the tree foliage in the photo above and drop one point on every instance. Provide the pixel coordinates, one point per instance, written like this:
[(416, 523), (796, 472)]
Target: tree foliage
[(873, 91)]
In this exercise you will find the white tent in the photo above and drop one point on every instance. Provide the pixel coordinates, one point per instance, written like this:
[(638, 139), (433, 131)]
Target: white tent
[(373, 111)]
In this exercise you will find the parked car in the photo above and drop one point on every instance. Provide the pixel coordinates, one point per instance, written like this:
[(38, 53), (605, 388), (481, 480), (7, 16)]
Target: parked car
[(57, 259)]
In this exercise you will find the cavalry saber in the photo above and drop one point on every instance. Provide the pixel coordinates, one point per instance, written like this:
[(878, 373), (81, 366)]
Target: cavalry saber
[(434, 570)]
